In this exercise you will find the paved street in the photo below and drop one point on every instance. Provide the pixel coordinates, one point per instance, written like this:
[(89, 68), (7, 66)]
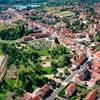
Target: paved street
[(3, 67), (55, 93), (7, 41)]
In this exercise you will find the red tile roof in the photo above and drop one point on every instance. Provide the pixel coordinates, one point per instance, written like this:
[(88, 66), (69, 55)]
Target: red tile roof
[(97, 54), (67, 41), (70, 89), (67, 32), (98, 27), (30, 96), (80, 59), (43, 90), (96, 64), (92, 95)]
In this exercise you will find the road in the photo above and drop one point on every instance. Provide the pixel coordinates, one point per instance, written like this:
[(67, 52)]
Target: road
[(7, 41), (55, 93), (3, 67)]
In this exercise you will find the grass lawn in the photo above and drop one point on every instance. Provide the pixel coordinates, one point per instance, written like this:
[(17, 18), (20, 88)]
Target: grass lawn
[(43, 52), (65, 13), (1, 52), (53, 10), (10, 82), (57, 11), (1, 97), (48, 70)]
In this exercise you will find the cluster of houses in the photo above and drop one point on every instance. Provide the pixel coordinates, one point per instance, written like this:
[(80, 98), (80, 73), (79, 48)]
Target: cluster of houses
[(71, 88), (38, 94)]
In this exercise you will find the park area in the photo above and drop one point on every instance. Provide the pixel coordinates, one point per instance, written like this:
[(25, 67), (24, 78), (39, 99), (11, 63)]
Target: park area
[(57, 11), (65, 13), (28, 67)]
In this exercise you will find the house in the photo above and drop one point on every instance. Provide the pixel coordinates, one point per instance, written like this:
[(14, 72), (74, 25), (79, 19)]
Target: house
[(92, 95), (95, 75), (97, 55), (42, 35), (43, 91), (70, 90), (98, 27), (95, 65), (27, 38), (30, 96), (83, 73), (80, 60)]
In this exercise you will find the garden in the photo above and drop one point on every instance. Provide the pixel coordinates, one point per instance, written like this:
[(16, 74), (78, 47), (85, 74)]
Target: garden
[(79, 94)]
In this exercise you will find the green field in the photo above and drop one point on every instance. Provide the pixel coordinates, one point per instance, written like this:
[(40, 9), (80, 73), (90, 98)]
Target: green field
[(48, 70), (57, 11), (10, 82), (65, 13), (52, 10)]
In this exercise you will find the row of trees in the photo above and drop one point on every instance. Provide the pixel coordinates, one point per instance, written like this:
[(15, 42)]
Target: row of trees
[(14, 31), (72, 2), (98, 37)]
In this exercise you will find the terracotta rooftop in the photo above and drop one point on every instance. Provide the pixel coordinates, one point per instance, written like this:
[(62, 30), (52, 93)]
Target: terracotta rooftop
[(92, 95), (97, 54), (43, 90), (80, 59), (30, 96), (98, 27), (70, 89), (96, 64), (67, 41)]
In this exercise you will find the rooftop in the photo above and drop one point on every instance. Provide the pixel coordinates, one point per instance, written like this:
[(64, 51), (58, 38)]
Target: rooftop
[(92, 95)]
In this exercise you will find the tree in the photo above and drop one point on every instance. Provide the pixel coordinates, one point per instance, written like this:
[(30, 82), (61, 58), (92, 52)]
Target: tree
[(59, 50), (98, 82), (38, 69), (54, 64), (54, 70), (98, 37)]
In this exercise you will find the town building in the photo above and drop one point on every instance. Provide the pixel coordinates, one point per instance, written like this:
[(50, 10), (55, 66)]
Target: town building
[(70, 90), (80, 60), (92, 95), (30, 96)]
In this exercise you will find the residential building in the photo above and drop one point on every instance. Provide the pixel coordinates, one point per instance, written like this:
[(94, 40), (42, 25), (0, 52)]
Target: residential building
[(83, 74), (80, 60), (92, 95), (43, 91), (30, 96), (70, 90), (97, 55)]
